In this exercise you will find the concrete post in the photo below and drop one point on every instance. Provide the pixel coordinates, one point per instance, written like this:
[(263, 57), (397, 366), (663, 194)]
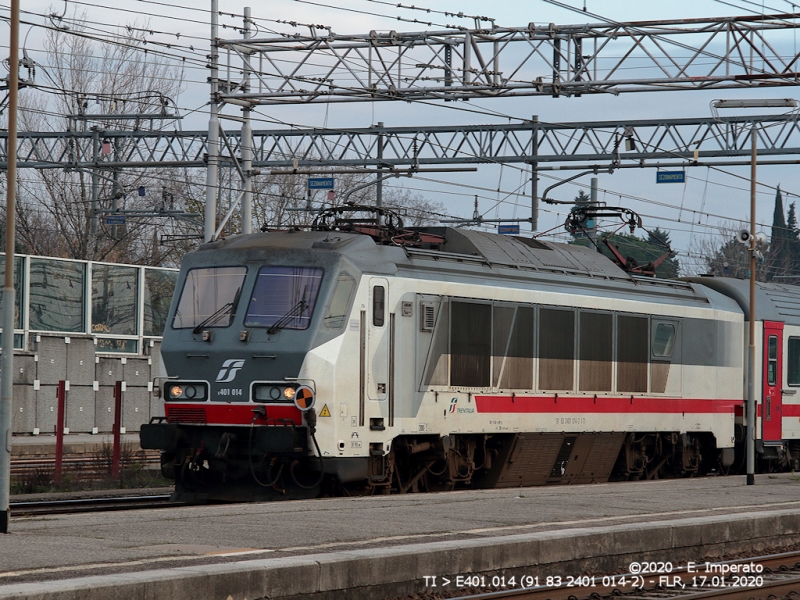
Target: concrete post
[(535, 175), (7, 359), (247, 140), (212, 169)]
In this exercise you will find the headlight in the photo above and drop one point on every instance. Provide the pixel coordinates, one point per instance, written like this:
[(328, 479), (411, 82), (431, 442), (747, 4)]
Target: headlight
[(185, 391), (273, 392)]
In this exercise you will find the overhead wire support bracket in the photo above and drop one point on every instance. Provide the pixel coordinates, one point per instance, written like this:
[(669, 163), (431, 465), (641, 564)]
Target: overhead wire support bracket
[(567, 180), (463, 64)]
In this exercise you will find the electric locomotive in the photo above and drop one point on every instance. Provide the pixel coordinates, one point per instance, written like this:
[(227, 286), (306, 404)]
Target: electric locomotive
[(361, 357)]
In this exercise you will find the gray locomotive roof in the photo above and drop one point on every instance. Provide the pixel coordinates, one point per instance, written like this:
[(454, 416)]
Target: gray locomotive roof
[(520, 251), (462, 245), (774, 301), (467, 255)]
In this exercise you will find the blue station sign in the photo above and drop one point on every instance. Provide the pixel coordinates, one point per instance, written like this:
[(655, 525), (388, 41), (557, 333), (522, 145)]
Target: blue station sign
[(508, 229), (671, 177), (320, 183), (115, 219)]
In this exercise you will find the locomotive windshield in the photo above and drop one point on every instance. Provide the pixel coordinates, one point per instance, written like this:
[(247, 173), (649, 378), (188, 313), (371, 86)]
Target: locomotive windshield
[(208, 297), (284, 298)]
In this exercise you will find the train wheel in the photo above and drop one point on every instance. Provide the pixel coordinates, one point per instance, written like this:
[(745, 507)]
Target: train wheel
[(434, 483)]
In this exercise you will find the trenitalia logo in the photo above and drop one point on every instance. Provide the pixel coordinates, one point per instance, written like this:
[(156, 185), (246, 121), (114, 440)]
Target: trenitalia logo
[(454, 408), (229, 370)]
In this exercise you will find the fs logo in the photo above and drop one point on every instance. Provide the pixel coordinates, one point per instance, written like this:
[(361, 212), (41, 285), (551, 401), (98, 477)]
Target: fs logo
[(229, 370), (453, 405)]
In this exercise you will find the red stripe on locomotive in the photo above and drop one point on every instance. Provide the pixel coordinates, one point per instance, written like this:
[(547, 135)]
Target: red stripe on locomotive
[(601, 404)]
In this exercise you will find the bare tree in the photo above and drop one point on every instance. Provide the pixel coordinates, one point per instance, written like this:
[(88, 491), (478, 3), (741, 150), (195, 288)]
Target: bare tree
[(82, 81), (726, 259), (280, 200)]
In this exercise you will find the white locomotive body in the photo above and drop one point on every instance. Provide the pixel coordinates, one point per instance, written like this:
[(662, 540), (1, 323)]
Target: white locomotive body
[(464, 359)]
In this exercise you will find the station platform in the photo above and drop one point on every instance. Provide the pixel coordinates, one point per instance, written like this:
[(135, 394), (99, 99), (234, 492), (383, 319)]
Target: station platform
[(391, 546)]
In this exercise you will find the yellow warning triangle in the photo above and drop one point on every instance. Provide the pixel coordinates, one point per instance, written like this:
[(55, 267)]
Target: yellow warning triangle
[(325, 412)]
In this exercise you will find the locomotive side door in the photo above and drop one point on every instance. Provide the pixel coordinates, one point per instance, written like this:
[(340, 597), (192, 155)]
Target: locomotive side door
[(772, 395), (377, 363)]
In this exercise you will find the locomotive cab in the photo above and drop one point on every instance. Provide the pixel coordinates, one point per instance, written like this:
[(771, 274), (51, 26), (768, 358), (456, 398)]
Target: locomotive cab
[(243, 320)]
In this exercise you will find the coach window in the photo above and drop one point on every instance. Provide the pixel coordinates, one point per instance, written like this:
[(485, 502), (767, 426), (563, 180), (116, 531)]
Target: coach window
[(793, 370), (663, 340), (340, 301), (470, 344), (772, 360), (596, 336), (378, 305), (632, 355), (662, 345), (556, 349)]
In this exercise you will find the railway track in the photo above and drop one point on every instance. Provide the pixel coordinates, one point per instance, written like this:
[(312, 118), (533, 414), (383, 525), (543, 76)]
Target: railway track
[(87, 464), (60, 507), (779, 577)]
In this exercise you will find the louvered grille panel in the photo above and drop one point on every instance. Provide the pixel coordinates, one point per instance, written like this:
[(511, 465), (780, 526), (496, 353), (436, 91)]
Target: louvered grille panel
[(187, 415)]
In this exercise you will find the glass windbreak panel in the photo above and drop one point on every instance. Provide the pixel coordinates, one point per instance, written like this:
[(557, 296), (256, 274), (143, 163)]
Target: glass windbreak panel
[(115, 294), (56, 295), (772, 361), (470, 344), (208, 296), (159, 286), (18, 265), (793, 361), (340, 301), (284, 297), (663, 339), (116, 345)]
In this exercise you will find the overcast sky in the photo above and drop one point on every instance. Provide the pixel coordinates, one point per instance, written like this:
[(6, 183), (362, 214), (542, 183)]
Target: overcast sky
[(716, 194)]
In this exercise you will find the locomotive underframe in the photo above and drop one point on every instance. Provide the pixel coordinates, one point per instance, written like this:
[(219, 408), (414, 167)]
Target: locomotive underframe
[(277, 461)]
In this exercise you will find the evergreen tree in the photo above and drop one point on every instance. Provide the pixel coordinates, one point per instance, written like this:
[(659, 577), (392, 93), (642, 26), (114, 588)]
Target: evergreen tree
[(582, 197), (779, 260), (793, 240)]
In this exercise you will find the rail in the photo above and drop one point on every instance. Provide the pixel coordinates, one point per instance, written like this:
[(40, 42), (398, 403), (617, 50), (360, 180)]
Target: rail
[(79, 505)]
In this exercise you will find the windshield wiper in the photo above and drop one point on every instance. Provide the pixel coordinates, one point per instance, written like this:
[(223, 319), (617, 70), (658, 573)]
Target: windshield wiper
[(296, 311), (228, 307), (210, 320)]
